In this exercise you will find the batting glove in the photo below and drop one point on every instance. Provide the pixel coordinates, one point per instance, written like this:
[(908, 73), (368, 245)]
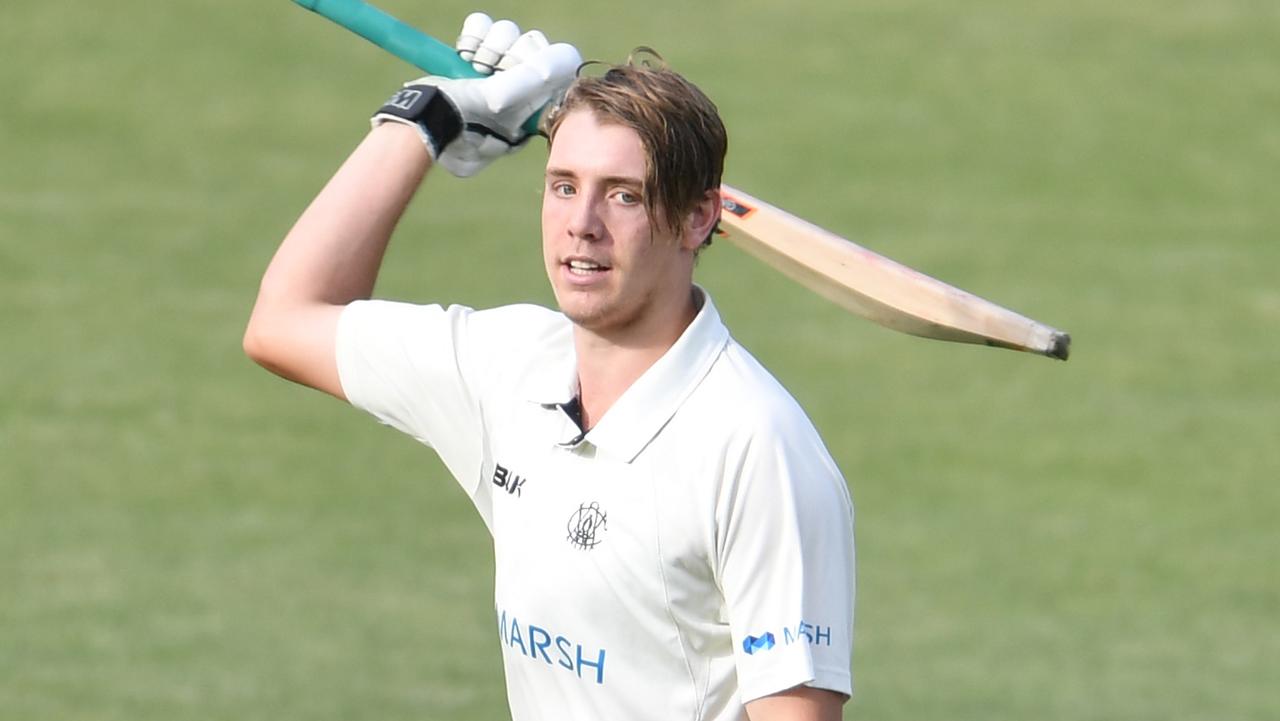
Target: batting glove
[(466, 124)]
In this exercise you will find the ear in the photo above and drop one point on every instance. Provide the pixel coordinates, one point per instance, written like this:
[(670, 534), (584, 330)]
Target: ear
[(700, 221)]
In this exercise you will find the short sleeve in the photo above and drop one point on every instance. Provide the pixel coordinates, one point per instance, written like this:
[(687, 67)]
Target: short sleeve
[(786, 565), (410, 366)]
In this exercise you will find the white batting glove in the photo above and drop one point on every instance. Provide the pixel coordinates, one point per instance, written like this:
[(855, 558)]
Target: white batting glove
[(466, 124)]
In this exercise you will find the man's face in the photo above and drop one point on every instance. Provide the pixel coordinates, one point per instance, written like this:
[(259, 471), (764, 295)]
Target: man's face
[(611, 269)]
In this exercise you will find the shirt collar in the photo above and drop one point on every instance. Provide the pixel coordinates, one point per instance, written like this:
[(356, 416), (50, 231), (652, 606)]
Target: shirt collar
[(646, 406)]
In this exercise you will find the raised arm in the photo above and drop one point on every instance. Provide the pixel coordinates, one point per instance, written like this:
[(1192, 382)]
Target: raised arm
[(331, 257), (332, 254)]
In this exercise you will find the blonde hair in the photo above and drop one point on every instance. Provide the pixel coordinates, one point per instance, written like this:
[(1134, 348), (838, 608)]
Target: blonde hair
[(680, 128)]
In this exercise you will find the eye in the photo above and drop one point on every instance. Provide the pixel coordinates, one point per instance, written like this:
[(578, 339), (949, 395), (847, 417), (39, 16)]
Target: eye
[(563, 189), (626, 197)]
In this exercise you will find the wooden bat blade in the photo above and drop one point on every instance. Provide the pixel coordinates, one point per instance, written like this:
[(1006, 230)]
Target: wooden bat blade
[(875, 287), (868, 284)]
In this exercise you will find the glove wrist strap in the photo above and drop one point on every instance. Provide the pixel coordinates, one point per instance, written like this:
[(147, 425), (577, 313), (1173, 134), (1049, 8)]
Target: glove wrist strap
[(425, 107)]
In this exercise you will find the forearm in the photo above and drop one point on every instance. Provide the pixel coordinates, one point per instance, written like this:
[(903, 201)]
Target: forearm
[(801, 703), (332, 254)]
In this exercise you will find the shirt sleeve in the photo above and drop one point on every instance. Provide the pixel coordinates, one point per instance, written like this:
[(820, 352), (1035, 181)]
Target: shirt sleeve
[(412, 367), (786, 565)]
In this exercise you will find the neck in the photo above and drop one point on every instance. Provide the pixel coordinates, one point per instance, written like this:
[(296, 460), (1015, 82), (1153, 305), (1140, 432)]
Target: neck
[(608, 363)]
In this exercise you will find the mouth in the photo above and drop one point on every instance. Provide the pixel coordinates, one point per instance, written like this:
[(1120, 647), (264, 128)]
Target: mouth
[(584, 267)]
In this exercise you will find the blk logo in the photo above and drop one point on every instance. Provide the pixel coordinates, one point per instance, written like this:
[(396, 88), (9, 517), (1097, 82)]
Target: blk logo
[(586, 524), (404, 99), (751, 644), (505, 479)]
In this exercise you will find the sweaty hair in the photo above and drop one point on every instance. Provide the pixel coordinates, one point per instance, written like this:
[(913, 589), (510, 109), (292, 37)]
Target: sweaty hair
[(680, 128)]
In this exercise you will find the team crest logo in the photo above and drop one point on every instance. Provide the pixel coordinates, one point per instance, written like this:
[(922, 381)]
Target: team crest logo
[(585, 526)]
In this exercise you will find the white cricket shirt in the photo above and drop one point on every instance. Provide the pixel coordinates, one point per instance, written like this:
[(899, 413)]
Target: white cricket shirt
[(692, 552)]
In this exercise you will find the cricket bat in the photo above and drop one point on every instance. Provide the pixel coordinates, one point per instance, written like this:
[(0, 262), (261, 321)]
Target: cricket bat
[(861, 281)]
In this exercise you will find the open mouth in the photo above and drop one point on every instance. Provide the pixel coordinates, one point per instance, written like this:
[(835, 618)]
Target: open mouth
[(584, 268)]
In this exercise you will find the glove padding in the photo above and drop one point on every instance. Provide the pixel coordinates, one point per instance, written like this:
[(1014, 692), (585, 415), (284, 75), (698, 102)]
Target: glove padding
[(466, 124)]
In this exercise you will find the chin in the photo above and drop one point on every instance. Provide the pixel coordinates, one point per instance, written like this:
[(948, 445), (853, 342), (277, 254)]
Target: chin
[(594, 314), (588, 317)]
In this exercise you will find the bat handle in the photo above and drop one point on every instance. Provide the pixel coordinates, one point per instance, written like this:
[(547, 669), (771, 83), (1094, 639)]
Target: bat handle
[(403, 41)]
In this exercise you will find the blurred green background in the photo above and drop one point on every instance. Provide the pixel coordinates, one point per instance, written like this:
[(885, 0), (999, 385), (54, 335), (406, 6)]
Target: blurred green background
[(183, 536)]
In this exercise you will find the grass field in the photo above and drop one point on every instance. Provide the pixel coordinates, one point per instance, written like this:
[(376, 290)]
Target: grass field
[(182, 536)]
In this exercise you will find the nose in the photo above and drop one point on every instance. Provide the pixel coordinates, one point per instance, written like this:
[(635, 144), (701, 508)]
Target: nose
[(585, 222)]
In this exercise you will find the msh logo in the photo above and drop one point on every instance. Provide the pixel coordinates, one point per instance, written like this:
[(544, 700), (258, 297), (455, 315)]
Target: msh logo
[(751, 644), (803, 632), (814, 634), (505, 479)]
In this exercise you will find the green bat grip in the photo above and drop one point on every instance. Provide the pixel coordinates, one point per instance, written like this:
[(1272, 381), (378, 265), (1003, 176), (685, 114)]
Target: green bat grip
[(401, 40)]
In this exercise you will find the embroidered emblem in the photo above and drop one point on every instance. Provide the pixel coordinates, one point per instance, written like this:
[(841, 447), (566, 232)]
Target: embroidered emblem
[(586, 524)]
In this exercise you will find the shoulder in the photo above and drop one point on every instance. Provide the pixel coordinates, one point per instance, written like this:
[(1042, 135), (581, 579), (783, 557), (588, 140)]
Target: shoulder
[(522, 333), (483, 344), (522, 323), (522, 320), (763, 434), (748, 399)]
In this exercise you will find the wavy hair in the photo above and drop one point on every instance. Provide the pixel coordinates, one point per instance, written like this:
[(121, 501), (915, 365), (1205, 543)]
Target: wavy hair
[(680, 129)]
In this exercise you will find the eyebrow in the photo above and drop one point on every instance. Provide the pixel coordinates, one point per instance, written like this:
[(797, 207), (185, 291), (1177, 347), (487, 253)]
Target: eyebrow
[(607, 180)]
